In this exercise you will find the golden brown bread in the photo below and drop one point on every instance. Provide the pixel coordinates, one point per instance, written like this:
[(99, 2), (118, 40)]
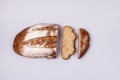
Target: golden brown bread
[(83, 42), (37, 41), (68, 42)]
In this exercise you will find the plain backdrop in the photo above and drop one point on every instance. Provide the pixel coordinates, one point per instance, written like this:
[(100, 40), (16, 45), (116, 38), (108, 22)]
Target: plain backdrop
[(100, 17)]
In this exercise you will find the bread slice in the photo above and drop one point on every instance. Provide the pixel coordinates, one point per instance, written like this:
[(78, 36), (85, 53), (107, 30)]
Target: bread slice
[(68, 41), (37, 41), (83, 42)]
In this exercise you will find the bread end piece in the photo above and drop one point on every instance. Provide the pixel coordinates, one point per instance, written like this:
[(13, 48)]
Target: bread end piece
[(83, 42), (17, 44), (68, 41)]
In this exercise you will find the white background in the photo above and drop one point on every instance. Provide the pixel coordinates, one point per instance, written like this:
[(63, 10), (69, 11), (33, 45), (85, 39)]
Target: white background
[(100, 17)]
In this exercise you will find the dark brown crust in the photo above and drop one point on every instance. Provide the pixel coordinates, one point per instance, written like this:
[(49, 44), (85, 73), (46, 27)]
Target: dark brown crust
[(18, 41), (53, 55), (51, 41), (73, 42), (84, 34)]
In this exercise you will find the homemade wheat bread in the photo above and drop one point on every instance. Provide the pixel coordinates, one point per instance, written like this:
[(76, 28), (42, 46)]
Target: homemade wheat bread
[(37, 41)]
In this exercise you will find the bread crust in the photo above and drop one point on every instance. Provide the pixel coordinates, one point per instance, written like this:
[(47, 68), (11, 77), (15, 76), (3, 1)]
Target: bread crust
[(48, 41), (66, 52), (18, 41), (83, 42)]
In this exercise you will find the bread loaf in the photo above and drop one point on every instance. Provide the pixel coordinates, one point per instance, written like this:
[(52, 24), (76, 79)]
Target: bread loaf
[(37, 41)]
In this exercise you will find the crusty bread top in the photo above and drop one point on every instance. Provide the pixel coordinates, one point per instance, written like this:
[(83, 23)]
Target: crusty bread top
[(37, 41), (68, 38), (18, 41), (83, 42)]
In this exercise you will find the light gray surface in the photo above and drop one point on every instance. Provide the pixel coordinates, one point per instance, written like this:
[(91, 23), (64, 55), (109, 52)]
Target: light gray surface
[(100, 17)]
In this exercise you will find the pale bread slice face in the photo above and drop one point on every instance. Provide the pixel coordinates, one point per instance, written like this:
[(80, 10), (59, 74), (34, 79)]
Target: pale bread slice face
[(68, 42), (39, 40), (83, 42)]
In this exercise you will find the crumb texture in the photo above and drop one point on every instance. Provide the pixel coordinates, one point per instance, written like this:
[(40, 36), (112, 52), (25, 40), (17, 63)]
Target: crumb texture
[(68, 41)]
